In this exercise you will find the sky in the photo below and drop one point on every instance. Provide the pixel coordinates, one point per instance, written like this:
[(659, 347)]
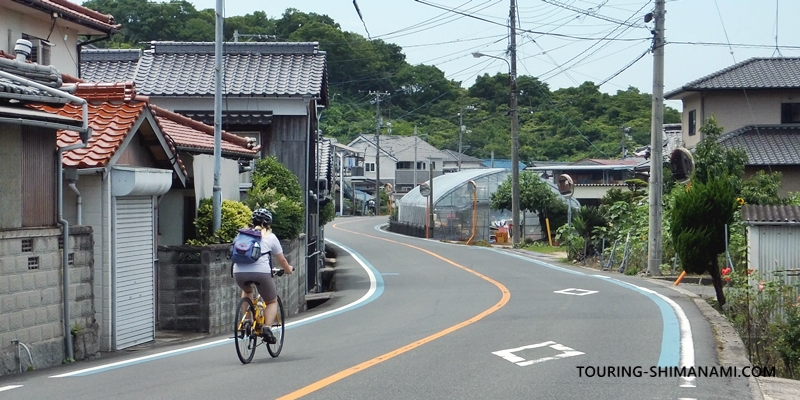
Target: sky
[(561, 47)]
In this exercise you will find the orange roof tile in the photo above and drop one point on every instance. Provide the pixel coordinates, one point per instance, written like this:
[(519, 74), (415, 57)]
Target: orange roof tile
[(85, 16), (186, 132), (113, 110)]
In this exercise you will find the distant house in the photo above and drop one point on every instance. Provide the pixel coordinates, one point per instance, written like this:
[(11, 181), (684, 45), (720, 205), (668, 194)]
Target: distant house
[(402, 159), (757, 101), (592, 177), (455, 161)]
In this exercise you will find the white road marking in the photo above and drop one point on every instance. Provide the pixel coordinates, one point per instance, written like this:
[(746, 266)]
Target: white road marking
[(575, 292), (687, 343), (9, 387), (509, 355)]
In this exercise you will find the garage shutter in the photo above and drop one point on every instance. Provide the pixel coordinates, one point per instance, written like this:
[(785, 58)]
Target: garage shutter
[(135, 278)]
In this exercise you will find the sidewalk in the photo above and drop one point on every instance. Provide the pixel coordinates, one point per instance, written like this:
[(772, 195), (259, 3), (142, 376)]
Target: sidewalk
[(730, 347)]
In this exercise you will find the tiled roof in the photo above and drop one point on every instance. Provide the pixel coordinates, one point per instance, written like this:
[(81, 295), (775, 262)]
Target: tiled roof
[(109, 65), (188, 134), (766, 144), (755, 73), (600, 161), (402, 147), (250, 69), (75, 13), (754, 214), (113, 111)]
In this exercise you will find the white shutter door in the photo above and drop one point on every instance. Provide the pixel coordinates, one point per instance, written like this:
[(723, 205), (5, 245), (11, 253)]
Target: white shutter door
[(135, 278)]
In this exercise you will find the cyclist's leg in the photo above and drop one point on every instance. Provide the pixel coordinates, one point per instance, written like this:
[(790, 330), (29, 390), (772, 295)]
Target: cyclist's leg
[(270, 295)]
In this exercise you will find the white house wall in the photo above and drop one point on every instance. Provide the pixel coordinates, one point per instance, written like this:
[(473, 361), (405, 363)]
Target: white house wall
[(63, 55), (170, 217), (203, 172)]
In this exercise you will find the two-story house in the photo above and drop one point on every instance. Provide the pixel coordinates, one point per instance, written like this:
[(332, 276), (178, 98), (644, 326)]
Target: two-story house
[(455, 161), (757, 102), (591, 177), (405, 162)]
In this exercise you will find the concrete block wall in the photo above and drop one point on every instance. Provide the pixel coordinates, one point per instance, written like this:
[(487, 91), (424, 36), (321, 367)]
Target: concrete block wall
[(31, 308), (196, 291)]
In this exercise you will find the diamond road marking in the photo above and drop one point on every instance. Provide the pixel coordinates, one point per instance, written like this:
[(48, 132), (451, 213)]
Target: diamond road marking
[(509, 355), (575, 292)]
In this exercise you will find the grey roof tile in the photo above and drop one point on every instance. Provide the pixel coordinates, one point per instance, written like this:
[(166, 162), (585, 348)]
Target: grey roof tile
[(755, 214), (754, 73), (109, 65), (402, 147), (187, 69), (766, 144)]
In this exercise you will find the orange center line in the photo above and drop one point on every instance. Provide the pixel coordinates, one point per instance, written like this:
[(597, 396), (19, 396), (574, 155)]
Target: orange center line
[(506, 296)]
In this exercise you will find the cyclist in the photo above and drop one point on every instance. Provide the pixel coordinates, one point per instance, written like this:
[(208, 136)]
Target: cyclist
[(260, 272)]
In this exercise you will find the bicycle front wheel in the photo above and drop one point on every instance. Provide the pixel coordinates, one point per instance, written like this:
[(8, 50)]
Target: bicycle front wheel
[(243, 330), (277, 331)]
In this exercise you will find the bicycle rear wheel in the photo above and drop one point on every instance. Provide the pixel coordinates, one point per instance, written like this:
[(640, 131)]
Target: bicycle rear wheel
[(243, 330), (277, 331)]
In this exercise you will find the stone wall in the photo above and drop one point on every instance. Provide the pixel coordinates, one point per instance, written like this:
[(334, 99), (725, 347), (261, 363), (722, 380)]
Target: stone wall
[(31, 308), (196, 292)]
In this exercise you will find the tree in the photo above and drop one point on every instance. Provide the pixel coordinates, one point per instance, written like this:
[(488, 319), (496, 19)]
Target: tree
[(698, 226), (712, 160), (535, 196)]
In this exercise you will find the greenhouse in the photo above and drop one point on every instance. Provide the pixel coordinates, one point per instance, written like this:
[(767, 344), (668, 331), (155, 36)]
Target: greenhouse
[(454, 210)]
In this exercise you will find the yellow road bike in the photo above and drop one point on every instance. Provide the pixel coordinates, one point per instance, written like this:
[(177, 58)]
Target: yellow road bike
[(249, 331)]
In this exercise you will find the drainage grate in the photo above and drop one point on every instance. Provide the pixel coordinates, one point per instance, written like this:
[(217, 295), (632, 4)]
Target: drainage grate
[(27, 245), (33, 263)]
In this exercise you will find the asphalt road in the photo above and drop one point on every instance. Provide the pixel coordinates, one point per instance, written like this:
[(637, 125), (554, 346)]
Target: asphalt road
[(420, 319)]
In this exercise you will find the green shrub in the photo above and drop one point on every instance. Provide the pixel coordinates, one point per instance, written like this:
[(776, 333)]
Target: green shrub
[(276, 188), (327, 213), (287, 214), (234, 215), (269, 173)]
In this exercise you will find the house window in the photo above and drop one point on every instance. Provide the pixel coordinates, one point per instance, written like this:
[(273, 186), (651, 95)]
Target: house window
[(692, 122), (40, 49), (433, 164), (421, 165), (369, 167), (790, 113), (405, 165)]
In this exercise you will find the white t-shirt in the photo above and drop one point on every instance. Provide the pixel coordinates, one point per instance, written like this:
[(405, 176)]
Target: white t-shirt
[(269, 243)]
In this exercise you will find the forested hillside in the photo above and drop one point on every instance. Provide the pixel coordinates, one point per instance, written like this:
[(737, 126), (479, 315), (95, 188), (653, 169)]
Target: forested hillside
[(564, 124)]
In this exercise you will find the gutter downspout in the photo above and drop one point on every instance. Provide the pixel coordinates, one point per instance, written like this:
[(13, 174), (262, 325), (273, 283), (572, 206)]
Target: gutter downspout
[(79, 202), (65, 248)]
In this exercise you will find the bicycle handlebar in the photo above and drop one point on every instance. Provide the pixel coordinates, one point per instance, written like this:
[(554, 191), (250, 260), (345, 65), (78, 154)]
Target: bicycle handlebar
[(278, 272)]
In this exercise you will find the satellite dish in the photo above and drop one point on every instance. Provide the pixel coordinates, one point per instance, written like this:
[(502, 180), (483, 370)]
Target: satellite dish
[(681, 163), (565, 185)]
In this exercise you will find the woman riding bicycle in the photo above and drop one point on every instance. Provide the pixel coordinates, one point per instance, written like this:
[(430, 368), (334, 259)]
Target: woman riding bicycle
[(260, 271)]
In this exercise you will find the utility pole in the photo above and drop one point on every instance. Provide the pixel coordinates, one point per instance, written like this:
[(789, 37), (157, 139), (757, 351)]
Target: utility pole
[(656, 145), (378, 151), (462, 130), (216, 200), (516, 228), (415, 155)]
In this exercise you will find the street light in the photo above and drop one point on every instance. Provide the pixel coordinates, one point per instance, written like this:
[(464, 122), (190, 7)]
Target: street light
[(515, 225)]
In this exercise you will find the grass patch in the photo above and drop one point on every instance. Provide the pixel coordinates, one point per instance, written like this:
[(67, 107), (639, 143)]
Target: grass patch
[(545, 249)]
